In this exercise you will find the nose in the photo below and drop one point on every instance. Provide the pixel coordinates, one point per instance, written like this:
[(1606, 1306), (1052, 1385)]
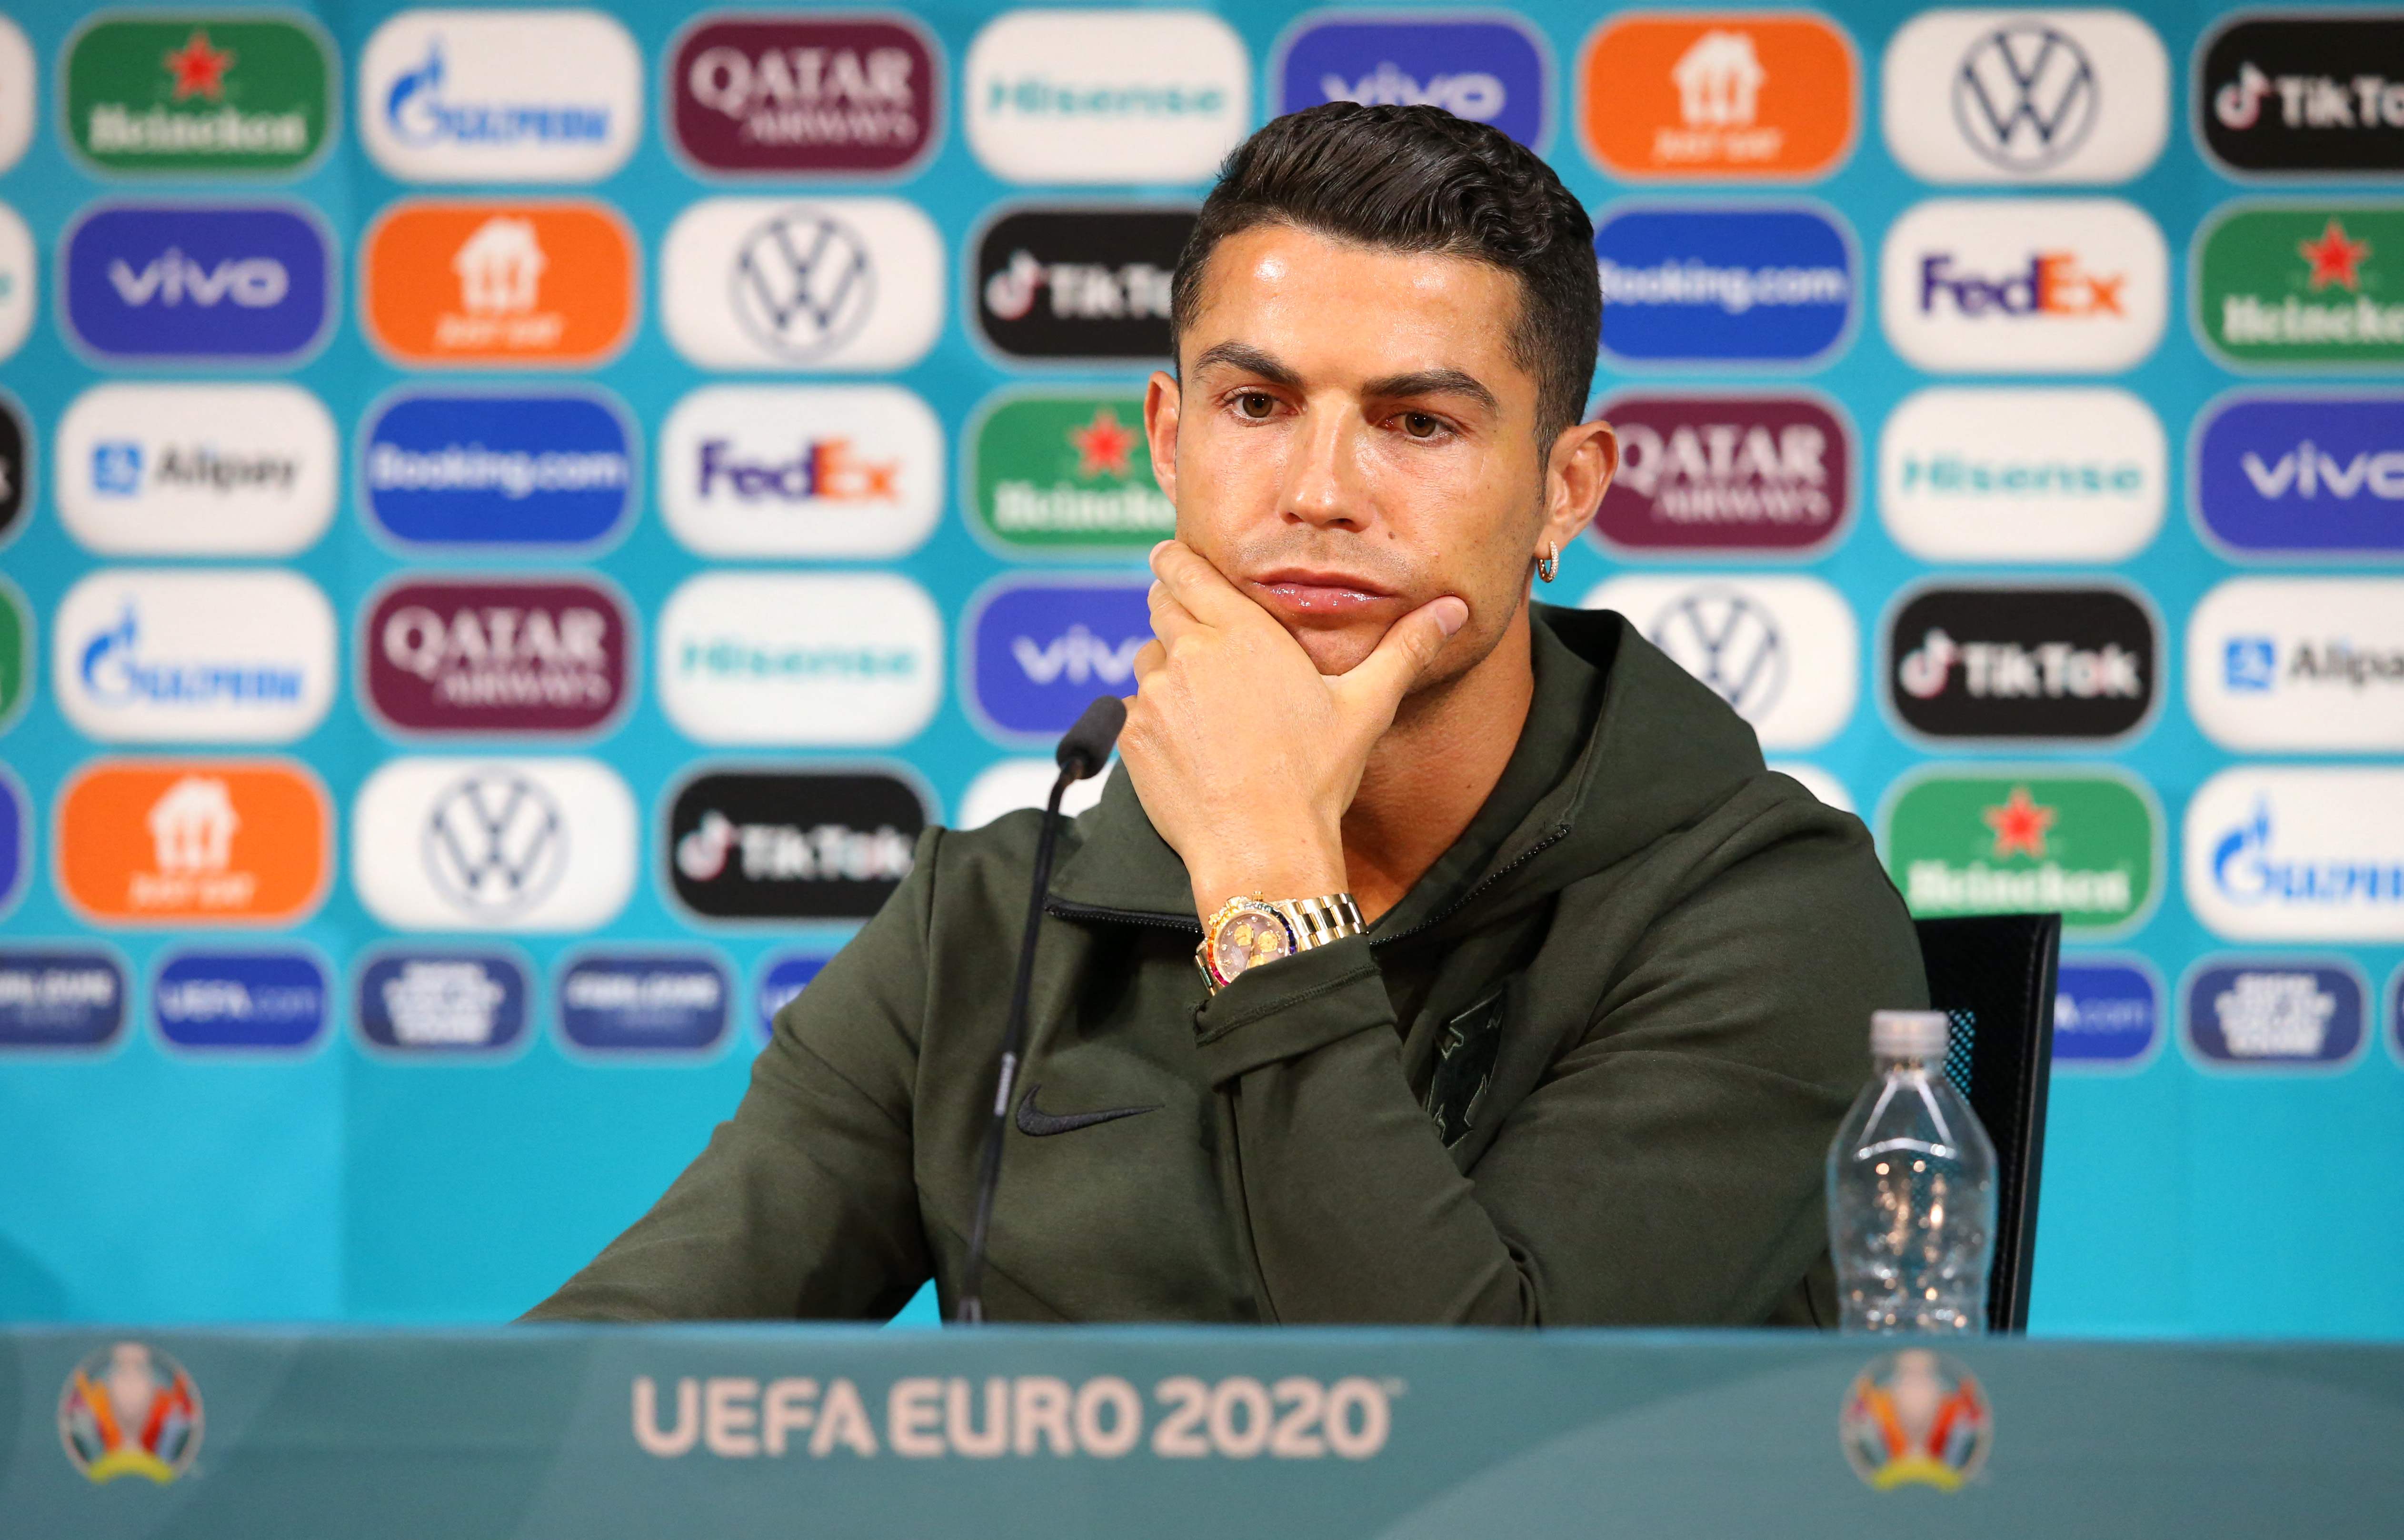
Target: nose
[(1324, 486)]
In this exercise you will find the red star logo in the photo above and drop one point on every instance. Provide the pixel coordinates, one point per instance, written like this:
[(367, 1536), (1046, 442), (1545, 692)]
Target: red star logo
[(2019, 825), (2335, 260), (199, 69), (1103, 445)]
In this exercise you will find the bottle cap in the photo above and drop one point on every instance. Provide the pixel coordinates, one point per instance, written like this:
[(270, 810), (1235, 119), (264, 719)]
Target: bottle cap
[(1909, 1034)]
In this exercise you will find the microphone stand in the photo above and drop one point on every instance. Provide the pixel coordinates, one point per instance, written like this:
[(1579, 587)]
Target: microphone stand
[(1084, 749)]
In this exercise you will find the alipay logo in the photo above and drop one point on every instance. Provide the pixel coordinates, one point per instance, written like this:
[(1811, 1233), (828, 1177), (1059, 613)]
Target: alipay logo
[(2271, 1012), (2303, 475), (198, 282), (1101, 96), (1783, 650), (828, 284), (2049, 96), (2017, 474), (2312, 664), (194, 657), (240, 999), (441, 1002), (484, 469), (494, 845), (1706, 285), (1039, 651), (1486, 71), (804, 660), (855, 472), (2297, 853), (500, 96), (2024, 285), (2105, 1014), (217, 470)]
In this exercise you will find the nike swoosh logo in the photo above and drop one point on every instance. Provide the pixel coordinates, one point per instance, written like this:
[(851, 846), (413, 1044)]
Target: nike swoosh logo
[(1033, 1120)]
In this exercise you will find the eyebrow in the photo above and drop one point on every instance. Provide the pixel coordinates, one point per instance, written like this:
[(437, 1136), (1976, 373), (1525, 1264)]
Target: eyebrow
[(1423, 382)]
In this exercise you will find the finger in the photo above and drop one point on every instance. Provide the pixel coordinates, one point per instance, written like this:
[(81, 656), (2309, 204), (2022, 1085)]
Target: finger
[(1195, 584), (1375, 684), (1170, 620), (1147, 658)]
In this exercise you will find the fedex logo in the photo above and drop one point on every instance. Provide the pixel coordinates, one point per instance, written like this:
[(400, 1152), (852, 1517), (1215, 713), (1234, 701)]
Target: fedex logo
[(2053, 284), (829, 469)]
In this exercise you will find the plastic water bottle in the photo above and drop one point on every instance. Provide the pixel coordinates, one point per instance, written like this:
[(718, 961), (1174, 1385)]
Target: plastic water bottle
[(1911, 1190)]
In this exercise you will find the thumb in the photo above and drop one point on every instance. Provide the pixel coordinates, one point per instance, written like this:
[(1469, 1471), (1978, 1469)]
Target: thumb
[(1376, 682)]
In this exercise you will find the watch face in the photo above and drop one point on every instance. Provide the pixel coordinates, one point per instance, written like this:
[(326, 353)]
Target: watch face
[(1246, 937)]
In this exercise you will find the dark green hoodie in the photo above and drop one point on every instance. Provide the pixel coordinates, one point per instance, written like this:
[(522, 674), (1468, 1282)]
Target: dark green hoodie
[(1585, 1071)]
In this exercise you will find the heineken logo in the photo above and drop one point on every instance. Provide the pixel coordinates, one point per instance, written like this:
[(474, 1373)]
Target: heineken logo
[(2085, 844), (240, 92), (1054, 472), (2305, 284)]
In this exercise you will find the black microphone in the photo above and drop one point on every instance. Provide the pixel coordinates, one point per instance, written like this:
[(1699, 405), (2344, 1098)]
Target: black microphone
[(1085, 749)]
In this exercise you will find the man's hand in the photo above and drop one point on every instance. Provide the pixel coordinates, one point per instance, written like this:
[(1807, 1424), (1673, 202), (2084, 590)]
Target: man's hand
[(1244, 756)]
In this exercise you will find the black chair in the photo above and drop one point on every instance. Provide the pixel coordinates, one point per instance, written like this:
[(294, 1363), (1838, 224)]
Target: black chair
[(1994, 975)]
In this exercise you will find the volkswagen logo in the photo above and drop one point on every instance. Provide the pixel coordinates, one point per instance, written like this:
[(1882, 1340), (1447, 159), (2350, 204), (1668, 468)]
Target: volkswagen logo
[(1728, 643), (495, 843), (2025, 96), (802, 285)]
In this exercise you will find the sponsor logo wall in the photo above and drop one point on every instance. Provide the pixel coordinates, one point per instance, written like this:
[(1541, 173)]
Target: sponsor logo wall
[(514, 521)]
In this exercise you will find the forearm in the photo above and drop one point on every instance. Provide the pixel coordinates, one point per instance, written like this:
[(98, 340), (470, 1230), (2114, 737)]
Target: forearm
[(1351, 1207)]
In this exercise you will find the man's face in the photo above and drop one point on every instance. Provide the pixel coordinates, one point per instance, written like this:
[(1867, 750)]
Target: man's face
[(1351, 438)]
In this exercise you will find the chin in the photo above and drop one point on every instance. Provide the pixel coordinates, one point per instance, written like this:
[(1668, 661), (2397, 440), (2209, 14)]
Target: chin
[(1337, 649)]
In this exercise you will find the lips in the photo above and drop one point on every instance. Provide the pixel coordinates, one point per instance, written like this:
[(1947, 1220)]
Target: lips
[(1312, 594)]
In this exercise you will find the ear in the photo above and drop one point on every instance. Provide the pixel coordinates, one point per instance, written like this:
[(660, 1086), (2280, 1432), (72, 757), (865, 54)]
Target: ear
[(1161, 401), (1576, 474)]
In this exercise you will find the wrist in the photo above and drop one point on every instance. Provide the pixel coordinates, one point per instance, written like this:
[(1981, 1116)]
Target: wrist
[(1297, 870)]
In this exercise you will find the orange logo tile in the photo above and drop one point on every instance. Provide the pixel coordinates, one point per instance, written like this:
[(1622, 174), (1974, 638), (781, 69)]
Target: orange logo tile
[(194, 842), (1718, 95), (538, 285)]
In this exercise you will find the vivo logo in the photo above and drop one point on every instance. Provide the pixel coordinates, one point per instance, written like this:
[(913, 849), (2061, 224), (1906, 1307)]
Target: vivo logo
[(2307, 474), (1039, 651), (173, 278), (178, 281)]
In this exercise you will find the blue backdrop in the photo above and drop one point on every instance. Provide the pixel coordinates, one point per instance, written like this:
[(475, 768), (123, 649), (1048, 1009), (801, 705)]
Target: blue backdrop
[(421, 1063)]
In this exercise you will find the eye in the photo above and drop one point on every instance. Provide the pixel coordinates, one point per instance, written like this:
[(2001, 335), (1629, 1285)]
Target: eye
[(1255, 404), (1421, 424)]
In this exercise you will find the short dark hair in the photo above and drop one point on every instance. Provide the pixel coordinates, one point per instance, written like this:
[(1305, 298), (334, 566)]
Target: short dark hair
[(1418, 178)]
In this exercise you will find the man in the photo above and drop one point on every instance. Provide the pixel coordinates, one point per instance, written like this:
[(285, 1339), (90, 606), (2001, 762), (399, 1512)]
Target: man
[(1612, 998)]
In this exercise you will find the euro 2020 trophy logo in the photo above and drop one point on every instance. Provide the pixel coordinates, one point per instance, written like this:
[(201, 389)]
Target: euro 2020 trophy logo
[(130, 1410), (1916, 1416)]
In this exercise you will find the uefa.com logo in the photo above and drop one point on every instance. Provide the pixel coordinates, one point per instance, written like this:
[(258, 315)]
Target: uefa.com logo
[(268, 1000), (2107, 1013), (175, 468), (1493, 69), (60, 998), (2028, 98), (850, 95)]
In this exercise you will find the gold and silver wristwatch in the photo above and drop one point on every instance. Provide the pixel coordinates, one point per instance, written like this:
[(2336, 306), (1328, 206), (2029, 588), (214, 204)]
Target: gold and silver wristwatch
[(1249, 931)]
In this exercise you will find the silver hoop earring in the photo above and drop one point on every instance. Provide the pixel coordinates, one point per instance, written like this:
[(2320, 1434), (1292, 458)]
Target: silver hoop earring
[(1549, 563)]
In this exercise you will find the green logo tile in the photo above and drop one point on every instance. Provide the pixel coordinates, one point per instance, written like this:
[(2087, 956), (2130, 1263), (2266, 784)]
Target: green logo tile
[(2307, 284), (15, 662), (2087, 845), (1064, 472), (197, 92)]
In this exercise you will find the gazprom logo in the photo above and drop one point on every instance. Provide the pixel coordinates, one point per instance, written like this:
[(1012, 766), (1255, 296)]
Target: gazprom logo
[(2292, 853), (1486, 70), (1039, 651), (491, 469)]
